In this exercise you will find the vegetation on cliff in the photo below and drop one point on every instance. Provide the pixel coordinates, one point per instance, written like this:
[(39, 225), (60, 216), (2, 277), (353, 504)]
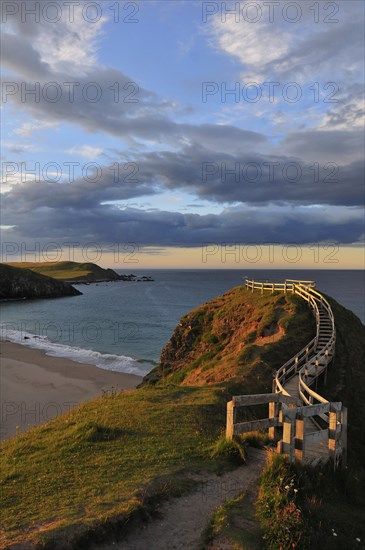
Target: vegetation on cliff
[(95, 470), (237, 338), (70, 271), (16, 283), (302, 507)]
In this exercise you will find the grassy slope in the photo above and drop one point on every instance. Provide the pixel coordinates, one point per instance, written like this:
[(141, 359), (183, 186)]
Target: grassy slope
[(346, 378), (305, 506), (227, 339), (96, 462), (89, 471), (68, 271), (91, 467)]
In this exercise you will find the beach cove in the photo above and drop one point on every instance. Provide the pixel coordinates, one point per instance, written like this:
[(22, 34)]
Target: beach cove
[(36, 387)]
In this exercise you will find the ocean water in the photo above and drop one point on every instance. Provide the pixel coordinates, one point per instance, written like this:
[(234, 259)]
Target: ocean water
[(123, 326)]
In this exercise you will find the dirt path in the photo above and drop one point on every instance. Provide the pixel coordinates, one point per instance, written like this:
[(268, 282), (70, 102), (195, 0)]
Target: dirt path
[(185, 518)]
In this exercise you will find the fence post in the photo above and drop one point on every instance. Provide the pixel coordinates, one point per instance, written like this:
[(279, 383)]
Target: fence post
[(273, 413), (333, 436), (288, 436), (230, 419), (299, 439), (262, 288)]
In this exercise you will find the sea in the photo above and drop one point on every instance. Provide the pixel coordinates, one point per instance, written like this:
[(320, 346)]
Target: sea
[(123, 326)]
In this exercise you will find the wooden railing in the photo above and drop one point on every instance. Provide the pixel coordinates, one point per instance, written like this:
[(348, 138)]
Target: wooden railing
[(291, 412)]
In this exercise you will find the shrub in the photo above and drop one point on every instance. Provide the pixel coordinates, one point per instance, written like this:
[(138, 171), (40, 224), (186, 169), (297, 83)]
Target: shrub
[(277, 507), (233, 449), (256, 439)]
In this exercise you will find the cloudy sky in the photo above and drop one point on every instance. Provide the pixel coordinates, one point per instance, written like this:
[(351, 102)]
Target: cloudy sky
[(176, 134)]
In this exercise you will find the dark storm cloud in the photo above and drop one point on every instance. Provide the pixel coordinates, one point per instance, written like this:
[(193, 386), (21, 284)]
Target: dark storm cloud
[(148, 118), (254, 178), (18, 56), (82, 194), (108, 225), (334, 145), (206, 174)]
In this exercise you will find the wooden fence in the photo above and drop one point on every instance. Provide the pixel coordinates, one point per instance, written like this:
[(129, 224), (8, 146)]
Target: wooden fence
[(294, 411)]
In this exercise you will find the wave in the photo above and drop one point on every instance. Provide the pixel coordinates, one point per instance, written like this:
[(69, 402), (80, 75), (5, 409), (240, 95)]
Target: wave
[(106, 361)]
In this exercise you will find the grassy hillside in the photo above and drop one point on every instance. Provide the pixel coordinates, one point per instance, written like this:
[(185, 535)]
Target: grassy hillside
[(91, 469), (346, 378), (70, 271), (106, 464), (306, 508), (18, 283), (238, 337)]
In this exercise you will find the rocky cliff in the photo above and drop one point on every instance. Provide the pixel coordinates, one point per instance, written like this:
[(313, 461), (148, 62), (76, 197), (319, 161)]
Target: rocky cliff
[(238, 336), (16, 283), (77, 272), (70, 271)]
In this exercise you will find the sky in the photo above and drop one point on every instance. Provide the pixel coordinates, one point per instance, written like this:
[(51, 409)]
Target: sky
[(172, 134)]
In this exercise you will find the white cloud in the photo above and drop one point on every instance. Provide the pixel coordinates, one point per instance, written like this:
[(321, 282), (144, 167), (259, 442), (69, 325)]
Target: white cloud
[(253, 45), (70, 46), (27, 129), (86, 151), (19, 148), (302, 51)]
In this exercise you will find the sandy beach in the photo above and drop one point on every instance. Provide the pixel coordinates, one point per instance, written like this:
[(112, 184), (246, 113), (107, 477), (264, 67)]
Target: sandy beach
[(35, 387)]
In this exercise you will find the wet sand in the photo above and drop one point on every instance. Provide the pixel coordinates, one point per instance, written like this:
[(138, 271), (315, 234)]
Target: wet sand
[(35, 387)]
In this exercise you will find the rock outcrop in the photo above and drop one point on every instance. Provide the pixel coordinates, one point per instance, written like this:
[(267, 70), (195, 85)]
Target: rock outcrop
[(18, 283), (77, 272), (231, 338)]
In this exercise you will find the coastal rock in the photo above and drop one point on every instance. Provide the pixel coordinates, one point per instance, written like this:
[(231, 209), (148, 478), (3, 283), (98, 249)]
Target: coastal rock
[(217, 341), (19, 283), (77, 272)]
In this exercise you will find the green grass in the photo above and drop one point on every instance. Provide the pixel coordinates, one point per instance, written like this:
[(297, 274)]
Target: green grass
[(304, 508), (234, 450), (97, 461), (68, 271), (98, 469), (240, 338), (236, 524), (346, 379), (257, 439), (92, 470)]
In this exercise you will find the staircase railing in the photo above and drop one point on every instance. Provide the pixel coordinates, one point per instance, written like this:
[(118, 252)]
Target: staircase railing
[(308, 365)]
